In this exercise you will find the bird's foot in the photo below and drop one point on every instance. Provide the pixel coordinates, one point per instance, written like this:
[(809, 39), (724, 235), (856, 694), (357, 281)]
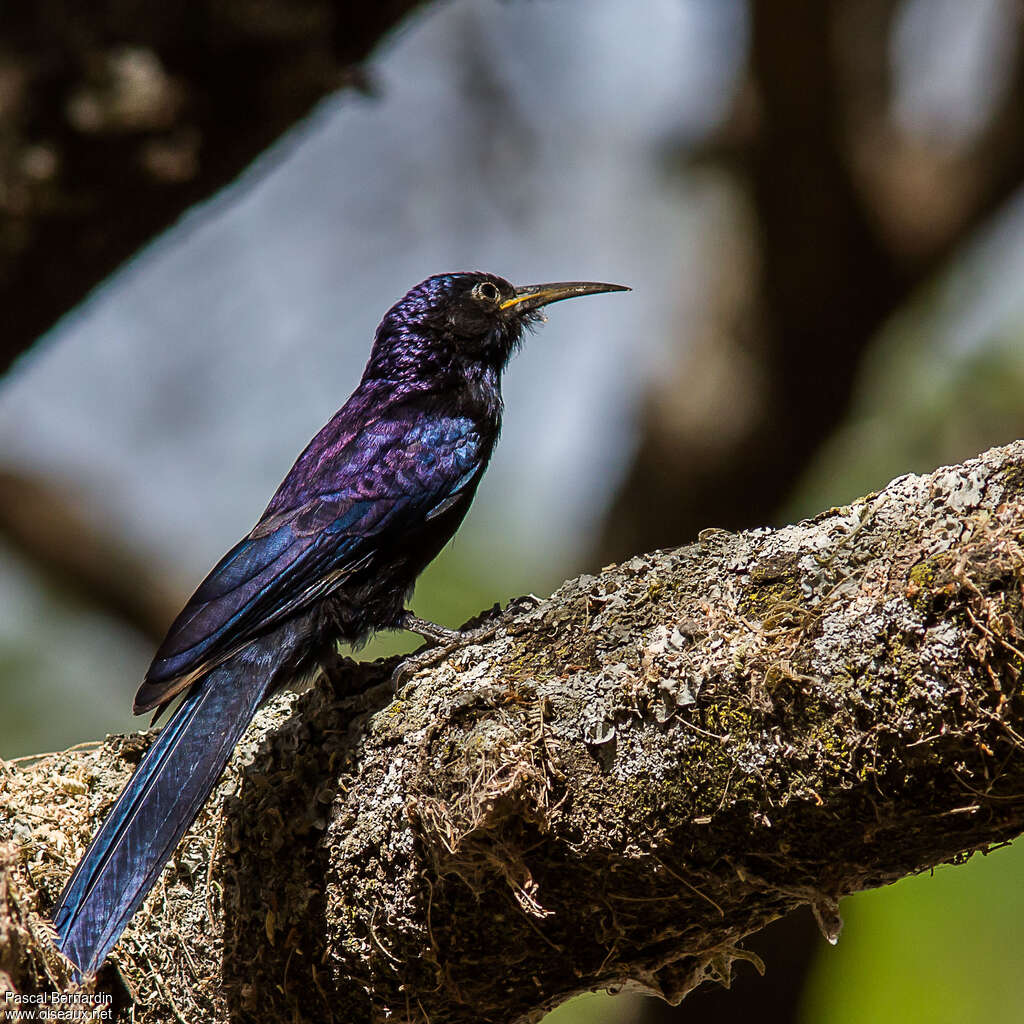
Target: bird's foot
[(442, 639), (483, 627)]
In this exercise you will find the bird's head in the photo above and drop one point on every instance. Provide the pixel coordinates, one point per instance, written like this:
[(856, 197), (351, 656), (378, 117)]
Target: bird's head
[(470, 317)]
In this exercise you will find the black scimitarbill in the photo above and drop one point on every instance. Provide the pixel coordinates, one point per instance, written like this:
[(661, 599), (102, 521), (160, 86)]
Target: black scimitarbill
[(369, 503)]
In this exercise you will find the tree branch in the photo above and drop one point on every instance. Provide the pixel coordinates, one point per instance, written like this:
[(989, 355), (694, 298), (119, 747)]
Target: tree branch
[(56, 529), (613, 790)]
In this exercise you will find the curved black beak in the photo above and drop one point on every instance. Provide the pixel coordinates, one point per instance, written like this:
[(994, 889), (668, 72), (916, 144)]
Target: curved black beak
[(533, 296)]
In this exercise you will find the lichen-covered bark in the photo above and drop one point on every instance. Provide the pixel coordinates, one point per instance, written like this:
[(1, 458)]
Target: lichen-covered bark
[(612, 788)]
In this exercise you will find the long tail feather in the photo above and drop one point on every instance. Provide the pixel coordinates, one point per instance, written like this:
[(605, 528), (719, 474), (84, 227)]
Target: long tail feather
[(160, 802)]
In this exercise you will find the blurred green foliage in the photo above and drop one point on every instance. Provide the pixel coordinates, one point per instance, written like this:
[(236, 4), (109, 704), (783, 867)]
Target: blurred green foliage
[(598, 1008), (941, 948)]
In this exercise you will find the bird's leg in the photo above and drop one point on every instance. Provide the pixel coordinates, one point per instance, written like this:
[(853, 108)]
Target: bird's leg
[(444, 641), (429, 630), (483, 627)]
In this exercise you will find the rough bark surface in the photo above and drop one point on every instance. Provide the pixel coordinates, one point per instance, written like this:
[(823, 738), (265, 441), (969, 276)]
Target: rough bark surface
[(612, 789)]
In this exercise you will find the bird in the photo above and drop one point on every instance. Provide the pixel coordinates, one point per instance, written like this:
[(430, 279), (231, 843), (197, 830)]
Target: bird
[(367, 506)]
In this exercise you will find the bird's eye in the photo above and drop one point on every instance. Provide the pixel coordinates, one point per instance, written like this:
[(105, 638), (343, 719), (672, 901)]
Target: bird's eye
[(487, 291)]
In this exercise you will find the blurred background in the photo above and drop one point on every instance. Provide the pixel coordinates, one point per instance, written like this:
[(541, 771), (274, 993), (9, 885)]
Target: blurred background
[(204, 213)]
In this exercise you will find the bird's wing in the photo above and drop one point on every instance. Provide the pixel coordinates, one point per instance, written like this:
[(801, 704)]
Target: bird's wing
[(386, 481)]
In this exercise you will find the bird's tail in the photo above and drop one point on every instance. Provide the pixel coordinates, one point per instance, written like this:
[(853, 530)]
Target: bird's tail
[(160, 802)]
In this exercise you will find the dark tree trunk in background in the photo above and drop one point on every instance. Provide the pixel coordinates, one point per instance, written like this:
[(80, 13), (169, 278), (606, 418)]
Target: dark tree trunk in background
[(117, 116), (847, 219)]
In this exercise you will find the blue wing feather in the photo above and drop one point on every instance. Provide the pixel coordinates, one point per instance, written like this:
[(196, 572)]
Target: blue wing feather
[(395, 475)]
